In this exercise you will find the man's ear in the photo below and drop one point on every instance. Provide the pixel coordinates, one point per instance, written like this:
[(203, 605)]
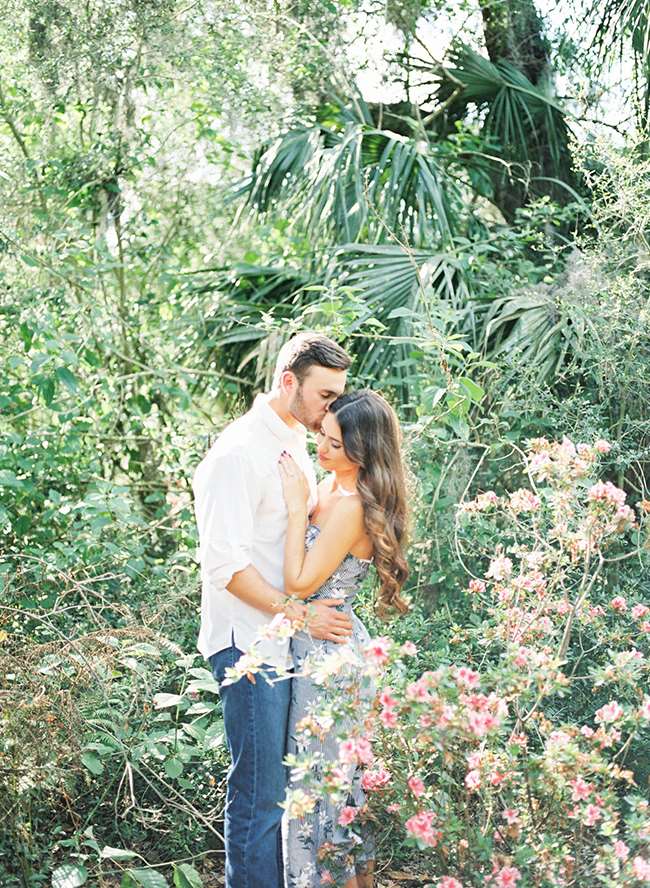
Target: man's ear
[(288, 382)]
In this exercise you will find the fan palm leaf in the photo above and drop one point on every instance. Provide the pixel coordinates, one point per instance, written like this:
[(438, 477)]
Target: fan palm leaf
[(527, 124), (537, 327), (356, 183), (403, 289)]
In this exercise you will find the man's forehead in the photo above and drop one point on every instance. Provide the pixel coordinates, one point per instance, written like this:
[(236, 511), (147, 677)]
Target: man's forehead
[(327, 378)]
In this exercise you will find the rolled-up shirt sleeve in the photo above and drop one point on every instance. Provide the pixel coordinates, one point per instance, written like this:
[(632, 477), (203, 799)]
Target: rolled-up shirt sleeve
[(227, 494)]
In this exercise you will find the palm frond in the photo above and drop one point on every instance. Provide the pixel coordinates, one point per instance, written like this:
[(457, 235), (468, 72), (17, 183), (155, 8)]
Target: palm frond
[(356, 183), (403, 289), (521, 118), (536, 327)]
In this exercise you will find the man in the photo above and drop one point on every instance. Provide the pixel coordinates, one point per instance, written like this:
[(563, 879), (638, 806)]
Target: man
[(242, 519)]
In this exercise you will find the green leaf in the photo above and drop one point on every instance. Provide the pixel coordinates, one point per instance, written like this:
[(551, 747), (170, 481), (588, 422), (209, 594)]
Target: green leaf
[(70, 875), (185, 876), (164, 701), (475, 391), (173, 767), (108, 853), (48, 388), (92, 763), (8, 479), (68, 379), (143, 878), (401, 312)]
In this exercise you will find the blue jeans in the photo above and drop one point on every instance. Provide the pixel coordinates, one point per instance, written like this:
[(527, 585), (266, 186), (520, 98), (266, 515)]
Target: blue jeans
[(255, 721)]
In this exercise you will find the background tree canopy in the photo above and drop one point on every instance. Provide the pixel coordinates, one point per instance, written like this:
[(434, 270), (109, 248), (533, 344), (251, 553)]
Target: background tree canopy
[(457, 191)]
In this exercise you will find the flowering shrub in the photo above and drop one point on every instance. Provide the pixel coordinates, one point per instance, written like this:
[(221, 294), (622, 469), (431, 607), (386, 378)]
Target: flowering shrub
[(515, 765)]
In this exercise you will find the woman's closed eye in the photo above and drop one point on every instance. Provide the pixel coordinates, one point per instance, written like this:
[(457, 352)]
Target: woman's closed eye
[(334, 444)]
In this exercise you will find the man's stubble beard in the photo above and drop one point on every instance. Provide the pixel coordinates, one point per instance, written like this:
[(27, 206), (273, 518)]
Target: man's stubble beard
[(298, 409)]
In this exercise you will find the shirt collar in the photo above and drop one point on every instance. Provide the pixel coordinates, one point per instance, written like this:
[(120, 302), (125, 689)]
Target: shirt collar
[(276, 425)]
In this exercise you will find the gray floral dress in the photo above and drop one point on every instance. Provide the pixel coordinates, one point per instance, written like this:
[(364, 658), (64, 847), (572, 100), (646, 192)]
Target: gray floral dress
[(318, 850)]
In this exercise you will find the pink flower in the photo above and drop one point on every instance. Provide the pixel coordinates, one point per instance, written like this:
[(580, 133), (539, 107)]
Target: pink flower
[(388, 718), (511, 816), (474, 759), (355, 751), (641, 869), (477, 587), (472, 780), (581, 789), (606, 492), (587, 731), (347, 815), (602, 446), (421, 826), (364, 751), (639, 610), (418, 691), (618, 604), (347, 752), (480, 723), (593, 813), (644, 711), (416, 786), (467, 677), (621, 850), (524, 501), (507, 877), (610, 712), (386, 699), (378, 650), (409, 649), (373, 781), (326, 878), (645, 626), (499, 569), (393, 808), (449, 882)]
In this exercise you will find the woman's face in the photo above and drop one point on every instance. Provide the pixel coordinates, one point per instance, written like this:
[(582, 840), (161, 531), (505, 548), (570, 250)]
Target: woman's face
[(331, 454)]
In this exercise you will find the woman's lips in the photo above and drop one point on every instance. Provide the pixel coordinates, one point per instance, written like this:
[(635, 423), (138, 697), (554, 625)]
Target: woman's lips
[(322, 459)]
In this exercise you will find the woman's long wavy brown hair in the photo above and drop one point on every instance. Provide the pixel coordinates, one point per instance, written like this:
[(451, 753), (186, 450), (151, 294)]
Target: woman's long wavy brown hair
[(372, 439)]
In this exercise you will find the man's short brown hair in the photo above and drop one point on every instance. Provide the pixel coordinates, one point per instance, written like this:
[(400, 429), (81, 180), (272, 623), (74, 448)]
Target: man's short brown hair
[(308, 350)]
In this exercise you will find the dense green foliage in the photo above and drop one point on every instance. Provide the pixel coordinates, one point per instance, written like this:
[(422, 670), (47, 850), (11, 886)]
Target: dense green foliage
[(183, 186)]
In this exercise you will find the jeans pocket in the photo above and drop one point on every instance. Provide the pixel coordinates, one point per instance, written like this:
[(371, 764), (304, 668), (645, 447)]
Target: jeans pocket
[(223, 660)]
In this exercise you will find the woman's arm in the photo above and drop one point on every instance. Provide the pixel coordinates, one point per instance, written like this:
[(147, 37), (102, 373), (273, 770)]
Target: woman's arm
[(306, 571)]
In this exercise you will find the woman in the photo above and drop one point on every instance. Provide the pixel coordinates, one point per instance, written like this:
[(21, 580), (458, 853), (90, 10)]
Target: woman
[(360, 517)]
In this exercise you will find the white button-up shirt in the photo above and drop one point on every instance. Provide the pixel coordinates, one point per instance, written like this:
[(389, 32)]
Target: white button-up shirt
[(242, 521)]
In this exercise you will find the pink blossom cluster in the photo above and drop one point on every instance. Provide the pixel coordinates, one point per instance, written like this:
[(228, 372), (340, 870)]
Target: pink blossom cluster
[(612, 498), (503, 877), (378, 650), (641, 869), (609, 713), (375, 779), (421, 826), (499, 569), (481, 503), (524, 501), (606, 492), (356, 750), (484, 713), (560, 460)]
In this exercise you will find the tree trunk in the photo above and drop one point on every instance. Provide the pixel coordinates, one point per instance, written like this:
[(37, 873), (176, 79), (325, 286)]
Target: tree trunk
[(513, 31)]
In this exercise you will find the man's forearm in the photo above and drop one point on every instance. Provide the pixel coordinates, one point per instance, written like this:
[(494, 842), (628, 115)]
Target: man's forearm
[(322, 618), (250, 587)]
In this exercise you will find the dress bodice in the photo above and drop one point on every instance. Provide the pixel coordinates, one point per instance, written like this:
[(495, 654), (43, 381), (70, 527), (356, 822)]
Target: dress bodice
[(346, 580)]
